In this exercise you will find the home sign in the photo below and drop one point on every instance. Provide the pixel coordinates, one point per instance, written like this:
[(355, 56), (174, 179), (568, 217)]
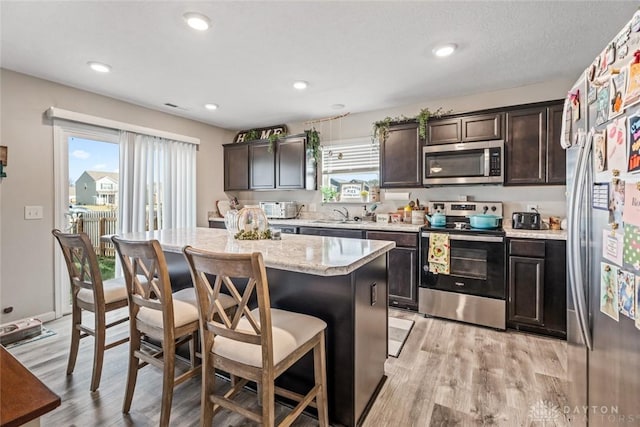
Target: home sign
[(260, 133)]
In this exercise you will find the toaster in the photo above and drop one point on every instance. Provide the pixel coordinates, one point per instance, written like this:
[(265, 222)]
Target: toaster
[(280, 210), (526, 220)]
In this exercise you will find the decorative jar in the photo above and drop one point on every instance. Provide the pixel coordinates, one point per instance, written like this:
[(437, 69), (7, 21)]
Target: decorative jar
[(252, 218), (231, 221)]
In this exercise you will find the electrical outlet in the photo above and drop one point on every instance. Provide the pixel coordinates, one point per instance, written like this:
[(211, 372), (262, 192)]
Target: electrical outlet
[(33, 212), (532, 208)]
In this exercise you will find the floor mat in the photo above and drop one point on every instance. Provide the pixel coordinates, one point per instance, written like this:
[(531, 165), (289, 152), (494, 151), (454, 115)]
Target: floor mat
[(398, 332), (44, 334)]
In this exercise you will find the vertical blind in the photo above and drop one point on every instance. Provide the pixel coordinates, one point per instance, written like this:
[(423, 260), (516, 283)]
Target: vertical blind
[(359, 156)]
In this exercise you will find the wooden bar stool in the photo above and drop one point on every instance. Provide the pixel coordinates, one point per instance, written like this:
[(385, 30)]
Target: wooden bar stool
[(255, 345), (156, 313), (89, 292)]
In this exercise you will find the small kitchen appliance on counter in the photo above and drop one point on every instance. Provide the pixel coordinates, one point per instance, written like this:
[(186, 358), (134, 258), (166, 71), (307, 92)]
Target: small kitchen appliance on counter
[(526, 220), (280, 210), (463, 263)]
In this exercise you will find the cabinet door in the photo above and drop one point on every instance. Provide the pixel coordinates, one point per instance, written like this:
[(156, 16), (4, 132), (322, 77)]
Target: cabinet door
[(401, 277), (555, 287), (526, 146), (261, 166), (401, 157), (445, 131), (236, 167), (482, 128), (556, 155), (526, 290), (330, 232), (290, 164)]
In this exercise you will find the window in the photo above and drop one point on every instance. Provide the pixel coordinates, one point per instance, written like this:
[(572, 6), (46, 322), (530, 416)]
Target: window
[(350, 170)]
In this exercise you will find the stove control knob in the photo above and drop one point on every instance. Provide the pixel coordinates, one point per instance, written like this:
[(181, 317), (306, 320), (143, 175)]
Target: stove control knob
[(485, 208), (493, 208)]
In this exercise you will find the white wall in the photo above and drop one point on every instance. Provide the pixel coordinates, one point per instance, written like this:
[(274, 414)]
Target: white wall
[(551, 199), (27, 247)]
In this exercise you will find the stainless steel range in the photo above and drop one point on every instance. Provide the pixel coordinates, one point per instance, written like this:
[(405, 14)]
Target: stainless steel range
[(474, 290)]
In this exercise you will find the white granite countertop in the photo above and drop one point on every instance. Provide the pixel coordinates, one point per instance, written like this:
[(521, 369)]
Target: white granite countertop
[(536, 234), (323, 256), (354, 225)]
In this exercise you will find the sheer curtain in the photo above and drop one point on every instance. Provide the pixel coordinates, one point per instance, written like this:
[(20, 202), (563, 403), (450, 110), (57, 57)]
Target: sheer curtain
[(157, 183)]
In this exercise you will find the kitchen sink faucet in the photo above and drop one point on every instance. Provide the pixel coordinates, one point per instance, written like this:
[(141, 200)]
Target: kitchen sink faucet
[(345, 214)]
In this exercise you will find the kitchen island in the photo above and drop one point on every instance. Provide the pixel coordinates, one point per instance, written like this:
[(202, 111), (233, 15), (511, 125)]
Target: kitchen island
[(339, 280)]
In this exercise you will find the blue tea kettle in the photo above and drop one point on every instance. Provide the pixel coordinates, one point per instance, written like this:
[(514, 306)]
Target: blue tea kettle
[(437, 219)]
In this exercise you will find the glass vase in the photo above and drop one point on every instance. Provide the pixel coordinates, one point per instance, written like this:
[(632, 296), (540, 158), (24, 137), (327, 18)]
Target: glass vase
[(231, 221), (251, 218)]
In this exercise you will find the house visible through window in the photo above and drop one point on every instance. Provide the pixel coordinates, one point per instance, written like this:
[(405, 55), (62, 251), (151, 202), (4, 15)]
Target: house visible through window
[(350, 171)]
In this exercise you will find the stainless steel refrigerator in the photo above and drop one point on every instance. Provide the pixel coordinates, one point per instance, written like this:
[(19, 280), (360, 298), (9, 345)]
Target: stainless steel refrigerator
[(603, 326)]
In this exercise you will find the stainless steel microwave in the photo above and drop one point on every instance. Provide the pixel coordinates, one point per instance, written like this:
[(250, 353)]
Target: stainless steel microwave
[(463, 163)]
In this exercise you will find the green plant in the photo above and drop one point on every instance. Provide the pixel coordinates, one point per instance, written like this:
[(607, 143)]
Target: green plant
[(273, 138), (328, 193), (313, 142), (251, 135), (380, 130)]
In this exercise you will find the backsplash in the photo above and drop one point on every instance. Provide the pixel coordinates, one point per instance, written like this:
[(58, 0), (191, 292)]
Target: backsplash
[(551, 200)]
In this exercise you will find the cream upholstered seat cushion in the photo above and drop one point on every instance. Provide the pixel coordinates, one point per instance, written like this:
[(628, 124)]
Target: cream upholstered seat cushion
[(290, 331), (114, 290), (185, 309)]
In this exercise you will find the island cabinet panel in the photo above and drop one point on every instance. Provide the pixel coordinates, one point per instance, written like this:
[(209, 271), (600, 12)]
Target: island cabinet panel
[(402, 274), (290, 163), (401, 157), (537, 286), (236, 167), (261, 166), (533, 154)]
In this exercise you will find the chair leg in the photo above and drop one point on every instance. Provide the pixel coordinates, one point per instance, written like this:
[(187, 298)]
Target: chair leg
[(76, 320), (98, 350), (207, 388), (134, 364), (167, 381), (266, 390), (320, 373), (193, 345)]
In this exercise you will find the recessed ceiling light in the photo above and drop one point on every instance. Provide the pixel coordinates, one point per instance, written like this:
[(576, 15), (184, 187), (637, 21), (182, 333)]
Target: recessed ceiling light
[(300, 85), (444, 50), (99, 67), (197, 21), (337, 106), (211, 106)]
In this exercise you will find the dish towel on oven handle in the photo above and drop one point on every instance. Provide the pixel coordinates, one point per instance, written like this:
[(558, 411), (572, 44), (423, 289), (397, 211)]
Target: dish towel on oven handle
[(439, 253)]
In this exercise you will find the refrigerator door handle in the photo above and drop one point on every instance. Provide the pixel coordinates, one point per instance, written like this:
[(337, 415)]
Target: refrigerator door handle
[(576, 206)]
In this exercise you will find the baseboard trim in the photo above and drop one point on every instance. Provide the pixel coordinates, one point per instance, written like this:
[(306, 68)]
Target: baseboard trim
[(43, 317)]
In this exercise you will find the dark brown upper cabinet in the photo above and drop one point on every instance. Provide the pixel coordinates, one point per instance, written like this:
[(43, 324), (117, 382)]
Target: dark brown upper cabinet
[(533, 152), (482, 127), (401, 157), (236, 167), (261, 166), (254, 166), (290, 163)]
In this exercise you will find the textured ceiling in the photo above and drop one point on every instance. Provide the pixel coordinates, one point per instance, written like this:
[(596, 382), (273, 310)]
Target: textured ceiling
[(365, 55)]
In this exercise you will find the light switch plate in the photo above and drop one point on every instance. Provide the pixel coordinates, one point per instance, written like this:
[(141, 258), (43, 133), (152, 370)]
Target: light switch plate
[(33, 212)]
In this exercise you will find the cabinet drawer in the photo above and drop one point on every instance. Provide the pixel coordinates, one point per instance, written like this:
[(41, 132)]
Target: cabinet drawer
[(401, 239), (528, 248)]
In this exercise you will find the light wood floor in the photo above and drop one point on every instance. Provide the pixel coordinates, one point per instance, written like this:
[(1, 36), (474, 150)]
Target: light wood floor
[(448, 374)]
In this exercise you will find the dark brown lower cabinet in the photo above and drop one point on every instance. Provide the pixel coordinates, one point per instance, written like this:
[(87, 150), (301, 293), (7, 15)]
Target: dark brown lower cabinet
[(331, 232), (402, 270), (537, 286)]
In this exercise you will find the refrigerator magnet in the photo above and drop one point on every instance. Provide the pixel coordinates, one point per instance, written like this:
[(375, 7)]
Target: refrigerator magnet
[(609, 290)]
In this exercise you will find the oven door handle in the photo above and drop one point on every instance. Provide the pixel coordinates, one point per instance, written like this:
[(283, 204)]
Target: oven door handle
[(469, 238)]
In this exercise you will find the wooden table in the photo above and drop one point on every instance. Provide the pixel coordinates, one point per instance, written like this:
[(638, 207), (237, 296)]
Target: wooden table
[(23, 397), (341, 281)]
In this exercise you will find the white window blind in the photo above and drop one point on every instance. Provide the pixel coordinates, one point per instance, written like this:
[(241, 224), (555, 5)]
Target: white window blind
[(359, 156)]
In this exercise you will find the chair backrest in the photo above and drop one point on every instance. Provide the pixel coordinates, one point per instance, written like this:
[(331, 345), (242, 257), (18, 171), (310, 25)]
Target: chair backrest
[(213, 318), (82, 264), (147, 277)]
